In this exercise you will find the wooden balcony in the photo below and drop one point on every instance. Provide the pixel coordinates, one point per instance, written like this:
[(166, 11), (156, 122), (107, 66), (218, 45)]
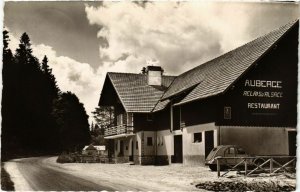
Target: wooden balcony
[(118, 131)]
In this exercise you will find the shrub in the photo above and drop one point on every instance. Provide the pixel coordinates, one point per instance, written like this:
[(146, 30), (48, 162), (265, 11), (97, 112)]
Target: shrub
[(66, 158)]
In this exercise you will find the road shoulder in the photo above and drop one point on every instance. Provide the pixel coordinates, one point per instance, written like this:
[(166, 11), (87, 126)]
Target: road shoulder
[(20, 183)]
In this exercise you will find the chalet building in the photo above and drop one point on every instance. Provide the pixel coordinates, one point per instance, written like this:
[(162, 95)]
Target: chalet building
[(134, 96), (246, 97)]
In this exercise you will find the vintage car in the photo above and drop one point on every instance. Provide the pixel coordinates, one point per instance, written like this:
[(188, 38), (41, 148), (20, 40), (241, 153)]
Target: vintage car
[(225, 151)]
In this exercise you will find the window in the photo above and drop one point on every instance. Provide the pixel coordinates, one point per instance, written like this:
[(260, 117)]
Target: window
[(136, 145), (130, 119), (149, 117), (149, 141), (120, 119), (117, 146), (240, 151), (126, 147), (198, 137), (160, 141), (227, 112), (230, 151)]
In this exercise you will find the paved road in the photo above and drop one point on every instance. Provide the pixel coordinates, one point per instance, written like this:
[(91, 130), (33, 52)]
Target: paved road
[(44, 178)]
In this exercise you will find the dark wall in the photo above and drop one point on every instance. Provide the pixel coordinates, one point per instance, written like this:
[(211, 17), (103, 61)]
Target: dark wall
[(152, 121), (109, 96), (199, 112), (162, 119), (278, 66), (143, 121), (176, 118)]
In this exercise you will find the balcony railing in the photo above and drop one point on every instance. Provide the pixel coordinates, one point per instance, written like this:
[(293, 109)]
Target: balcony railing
[(118, 130)]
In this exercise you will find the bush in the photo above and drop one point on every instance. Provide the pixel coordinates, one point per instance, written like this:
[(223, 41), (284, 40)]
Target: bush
[(66, 158), (6, 182)]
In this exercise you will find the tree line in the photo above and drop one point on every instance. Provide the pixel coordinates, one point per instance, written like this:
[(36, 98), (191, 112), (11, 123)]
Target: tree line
[(37, 117)]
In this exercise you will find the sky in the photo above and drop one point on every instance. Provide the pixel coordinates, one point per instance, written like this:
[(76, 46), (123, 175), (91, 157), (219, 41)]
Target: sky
[(84, 40)]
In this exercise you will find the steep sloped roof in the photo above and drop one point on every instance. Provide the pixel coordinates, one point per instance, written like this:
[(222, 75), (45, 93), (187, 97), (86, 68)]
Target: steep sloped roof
[(215, 76), (89, 147), (134, 92), (161, 105)]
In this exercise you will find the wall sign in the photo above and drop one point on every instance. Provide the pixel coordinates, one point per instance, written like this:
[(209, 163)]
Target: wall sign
[(266, 95), (258, 89)]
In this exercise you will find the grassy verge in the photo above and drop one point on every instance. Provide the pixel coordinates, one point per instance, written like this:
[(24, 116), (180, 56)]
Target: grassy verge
[(6, 182), (276, 185)]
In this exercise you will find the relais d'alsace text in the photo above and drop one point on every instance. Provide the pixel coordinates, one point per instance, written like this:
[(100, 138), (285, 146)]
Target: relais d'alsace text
[(276, 92)]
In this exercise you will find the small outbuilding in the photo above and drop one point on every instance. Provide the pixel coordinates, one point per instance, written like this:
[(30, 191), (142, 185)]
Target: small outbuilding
[(93, 149)]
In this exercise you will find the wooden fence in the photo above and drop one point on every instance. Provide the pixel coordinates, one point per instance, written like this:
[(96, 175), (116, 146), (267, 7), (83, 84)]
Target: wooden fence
[(252, 165)]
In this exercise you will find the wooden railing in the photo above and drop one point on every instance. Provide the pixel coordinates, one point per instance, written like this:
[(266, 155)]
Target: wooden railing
[(250, 165), (119, 129)]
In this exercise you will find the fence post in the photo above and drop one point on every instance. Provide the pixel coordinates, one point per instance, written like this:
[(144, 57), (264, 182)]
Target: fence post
[(246, 167), (218, 167), (271, 165)]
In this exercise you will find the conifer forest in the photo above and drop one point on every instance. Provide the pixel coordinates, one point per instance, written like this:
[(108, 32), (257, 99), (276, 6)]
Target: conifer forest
[(37, 117)]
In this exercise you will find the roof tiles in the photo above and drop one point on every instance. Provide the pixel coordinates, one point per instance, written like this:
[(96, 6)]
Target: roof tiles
[(208, 79), (215, 76), (134, 92)]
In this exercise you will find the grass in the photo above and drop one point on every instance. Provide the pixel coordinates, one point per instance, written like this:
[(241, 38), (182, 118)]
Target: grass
[(6, 182)]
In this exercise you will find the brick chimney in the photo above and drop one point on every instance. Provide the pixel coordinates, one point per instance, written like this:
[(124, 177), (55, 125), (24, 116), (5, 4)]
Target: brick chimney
[(154, 75)]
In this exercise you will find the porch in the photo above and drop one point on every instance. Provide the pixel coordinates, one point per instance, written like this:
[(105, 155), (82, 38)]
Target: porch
[(118, 131)]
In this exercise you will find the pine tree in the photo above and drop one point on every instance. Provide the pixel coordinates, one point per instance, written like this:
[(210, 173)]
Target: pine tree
[(30, 100), (103, 116), (9, 106), (36, 116), (50, 78), (92, 127), (50, 94), (72, 120)]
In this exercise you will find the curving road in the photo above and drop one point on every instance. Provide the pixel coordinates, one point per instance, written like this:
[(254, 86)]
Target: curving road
[(46, 178)]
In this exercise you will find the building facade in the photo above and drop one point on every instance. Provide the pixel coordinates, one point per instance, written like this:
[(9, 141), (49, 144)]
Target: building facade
[(246, 97)]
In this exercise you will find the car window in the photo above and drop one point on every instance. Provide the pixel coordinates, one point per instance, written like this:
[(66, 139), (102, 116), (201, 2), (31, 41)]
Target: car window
[(240, 151), (230, 151)]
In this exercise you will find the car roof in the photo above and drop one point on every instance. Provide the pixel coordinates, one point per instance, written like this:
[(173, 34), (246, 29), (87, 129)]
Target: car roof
[(221, 146)]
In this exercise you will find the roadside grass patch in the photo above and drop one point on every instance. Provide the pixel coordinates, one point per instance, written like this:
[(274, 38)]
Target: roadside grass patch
[(238, 186), (6, 182)]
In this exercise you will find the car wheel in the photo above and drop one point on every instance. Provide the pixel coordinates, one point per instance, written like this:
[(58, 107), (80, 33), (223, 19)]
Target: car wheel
[(213, 167), (258, 161)]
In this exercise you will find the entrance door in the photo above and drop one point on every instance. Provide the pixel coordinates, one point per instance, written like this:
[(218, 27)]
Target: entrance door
[(132, 151), (209, 142), (121, 148), (111, 148), (292, 142), (177, 149)]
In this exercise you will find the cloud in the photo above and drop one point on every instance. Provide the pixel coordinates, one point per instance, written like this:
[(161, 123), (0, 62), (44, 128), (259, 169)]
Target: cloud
[(179, 35), (71, 75), (79, 78)]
